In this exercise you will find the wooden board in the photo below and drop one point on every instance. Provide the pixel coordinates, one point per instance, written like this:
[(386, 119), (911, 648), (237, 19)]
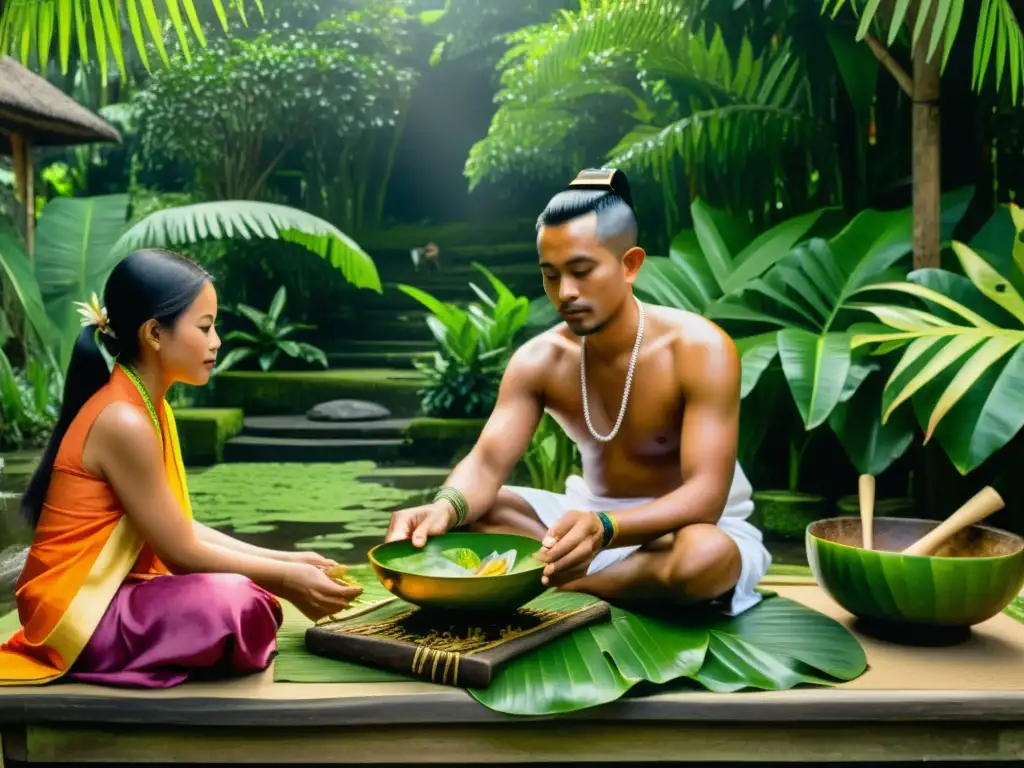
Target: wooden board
[(455, 650)]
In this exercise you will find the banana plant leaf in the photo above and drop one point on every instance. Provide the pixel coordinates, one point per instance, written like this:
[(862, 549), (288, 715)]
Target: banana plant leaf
[(16, 270), (776, 645), (871, 445), (963, 366), (718, 257), (74, 255), (806, 296)]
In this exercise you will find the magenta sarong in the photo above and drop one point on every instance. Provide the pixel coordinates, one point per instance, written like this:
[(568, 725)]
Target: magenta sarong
[(162, 632)]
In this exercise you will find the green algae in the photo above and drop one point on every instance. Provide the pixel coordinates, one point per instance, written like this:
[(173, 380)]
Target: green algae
[(374, 524), (255, 498)]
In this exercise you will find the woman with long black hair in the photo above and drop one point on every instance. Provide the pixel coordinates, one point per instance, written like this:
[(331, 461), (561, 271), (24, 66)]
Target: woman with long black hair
[(121, 586)]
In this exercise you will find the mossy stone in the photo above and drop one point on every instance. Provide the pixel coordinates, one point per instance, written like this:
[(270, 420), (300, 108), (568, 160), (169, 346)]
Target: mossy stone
[(786, 514), (204, 431), (295, 392)]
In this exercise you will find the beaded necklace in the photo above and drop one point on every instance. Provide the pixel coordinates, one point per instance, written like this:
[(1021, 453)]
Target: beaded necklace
[(139, 385)]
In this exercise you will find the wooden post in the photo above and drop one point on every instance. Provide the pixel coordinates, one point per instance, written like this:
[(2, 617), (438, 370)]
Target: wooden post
[(927, 171), (25, 186)]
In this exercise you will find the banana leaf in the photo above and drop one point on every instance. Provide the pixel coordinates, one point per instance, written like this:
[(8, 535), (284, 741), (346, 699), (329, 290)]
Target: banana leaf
[(806, 296), (871, 445), (16, 271), (719, 256), (74, 255), (776, 645)]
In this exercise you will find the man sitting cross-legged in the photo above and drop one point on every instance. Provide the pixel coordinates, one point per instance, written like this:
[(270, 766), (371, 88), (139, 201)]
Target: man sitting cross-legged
[(651, 397)]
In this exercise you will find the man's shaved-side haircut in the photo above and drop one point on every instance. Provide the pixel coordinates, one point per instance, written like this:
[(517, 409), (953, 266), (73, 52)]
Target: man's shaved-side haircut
[(616, 220)]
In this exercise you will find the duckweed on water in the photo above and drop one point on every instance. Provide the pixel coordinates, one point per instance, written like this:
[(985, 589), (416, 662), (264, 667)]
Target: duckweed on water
[(254, 498)]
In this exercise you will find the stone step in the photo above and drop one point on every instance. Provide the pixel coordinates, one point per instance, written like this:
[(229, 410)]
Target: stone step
[(384, 359), (302, 428), (389, 346), (370, 325), (284, 449)]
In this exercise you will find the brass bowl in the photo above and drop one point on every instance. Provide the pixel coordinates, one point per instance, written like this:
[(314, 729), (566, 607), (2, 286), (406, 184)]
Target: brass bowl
[(974, 576), (454, 593)]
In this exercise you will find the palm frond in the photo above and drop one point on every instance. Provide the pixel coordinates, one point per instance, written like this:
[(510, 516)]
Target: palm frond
[(744, 110), (28, 25), (959, 364), (189, 224), (533, 142), (998, 33), (677, 91), (602, 33)]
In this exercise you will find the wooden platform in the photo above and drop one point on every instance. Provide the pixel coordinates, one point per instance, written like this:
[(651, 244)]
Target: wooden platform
[(964, 702)]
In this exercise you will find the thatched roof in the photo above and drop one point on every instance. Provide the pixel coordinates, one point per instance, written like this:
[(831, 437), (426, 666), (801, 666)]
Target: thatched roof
[(33, 107)]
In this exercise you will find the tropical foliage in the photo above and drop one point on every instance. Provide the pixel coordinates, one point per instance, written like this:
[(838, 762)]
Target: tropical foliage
[(269, 338), (81, 239), (551, 457), (29, 403), (479, 29), (774, 646), (474, 345), (657, 97), (340, 89), (194, 223), (787, 296), (937, 23), (962, 369)]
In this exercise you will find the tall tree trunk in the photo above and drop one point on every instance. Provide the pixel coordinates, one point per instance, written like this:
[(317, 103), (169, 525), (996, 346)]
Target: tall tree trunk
[(926, 158)]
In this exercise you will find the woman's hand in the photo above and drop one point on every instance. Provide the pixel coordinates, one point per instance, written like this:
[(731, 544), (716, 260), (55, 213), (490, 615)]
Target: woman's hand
[(309, 558), (314, 593)]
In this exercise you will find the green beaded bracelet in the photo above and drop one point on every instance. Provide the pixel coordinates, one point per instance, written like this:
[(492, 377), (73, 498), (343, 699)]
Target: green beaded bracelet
[(457, 500)]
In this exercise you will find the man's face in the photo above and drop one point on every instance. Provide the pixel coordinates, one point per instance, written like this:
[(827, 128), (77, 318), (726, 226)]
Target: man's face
[(585, 279)]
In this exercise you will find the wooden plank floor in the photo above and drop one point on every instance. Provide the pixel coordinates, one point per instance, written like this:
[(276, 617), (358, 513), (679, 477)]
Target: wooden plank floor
[(964, 702)]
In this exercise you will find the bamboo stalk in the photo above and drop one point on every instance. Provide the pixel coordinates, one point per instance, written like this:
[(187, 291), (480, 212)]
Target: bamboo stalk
[(927, 168), (886, 59)]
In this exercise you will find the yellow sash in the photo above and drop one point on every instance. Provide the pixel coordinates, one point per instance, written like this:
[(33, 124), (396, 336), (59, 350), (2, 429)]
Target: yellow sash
[(73, 630)]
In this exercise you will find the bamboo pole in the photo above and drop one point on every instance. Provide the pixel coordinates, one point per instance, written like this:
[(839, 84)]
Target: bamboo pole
[(927, 169)]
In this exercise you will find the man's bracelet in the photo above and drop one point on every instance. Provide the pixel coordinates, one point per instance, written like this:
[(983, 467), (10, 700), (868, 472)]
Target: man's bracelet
[(458, 501), (610, 526)]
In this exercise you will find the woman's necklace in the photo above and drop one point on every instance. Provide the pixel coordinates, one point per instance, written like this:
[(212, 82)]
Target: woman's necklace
[(139, 385), (629, 381)]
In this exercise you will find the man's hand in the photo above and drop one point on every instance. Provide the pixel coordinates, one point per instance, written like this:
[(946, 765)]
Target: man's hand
[(570, 546), (418, 523)]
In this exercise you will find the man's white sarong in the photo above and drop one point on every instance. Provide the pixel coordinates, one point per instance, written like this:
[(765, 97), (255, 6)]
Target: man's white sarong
[(755, 558)]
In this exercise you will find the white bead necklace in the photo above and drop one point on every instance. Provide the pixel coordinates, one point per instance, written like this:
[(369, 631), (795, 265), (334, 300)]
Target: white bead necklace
[(629, 381)]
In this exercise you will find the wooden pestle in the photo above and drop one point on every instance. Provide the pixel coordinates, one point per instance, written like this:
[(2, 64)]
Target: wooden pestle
[(978, 507), (867, 509)]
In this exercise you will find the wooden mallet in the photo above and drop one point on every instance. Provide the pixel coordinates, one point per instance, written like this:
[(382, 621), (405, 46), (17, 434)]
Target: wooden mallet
[(977, 508)]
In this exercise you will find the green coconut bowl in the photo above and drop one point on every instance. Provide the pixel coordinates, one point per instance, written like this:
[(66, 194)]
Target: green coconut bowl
[(974, 576), (396, 565)]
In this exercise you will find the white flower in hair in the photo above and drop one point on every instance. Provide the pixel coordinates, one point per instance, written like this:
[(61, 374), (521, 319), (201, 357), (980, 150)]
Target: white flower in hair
[(94, 314)]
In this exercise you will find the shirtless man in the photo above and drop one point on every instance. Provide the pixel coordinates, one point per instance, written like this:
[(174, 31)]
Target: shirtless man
[(660, 514)]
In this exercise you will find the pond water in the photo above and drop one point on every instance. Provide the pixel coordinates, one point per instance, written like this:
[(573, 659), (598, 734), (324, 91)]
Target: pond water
[(338, 510)]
